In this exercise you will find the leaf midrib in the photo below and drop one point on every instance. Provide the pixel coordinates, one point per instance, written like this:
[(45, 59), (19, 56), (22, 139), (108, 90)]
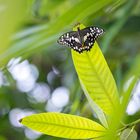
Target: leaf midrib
[(60, 125), (89, 60)]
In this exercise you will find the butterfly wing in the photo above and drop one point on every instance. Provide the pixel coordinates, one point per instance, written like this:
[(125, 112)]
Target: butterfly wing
[(89, 35), (72, 40), (80, 40)]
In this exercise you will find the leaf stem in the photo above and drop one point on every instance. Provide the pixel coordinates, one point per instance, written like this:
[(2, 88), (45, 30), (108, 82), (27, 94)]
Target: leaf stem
[(132, 124)]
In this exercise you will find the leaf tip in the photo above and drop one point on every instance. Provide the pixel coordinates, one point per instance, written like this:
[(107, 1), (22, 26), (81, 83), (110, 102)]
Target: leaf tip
[(21, 120)]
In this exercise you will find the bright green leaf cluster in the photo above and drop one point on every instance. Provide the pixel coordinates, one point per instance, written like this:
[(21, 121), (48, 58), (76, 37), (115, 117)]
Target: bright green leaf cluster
[(101, 91)]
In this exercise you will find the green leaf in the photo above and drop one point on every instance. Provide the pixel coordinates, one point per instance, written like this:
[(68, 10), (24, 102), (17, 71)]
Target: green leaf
[(115, 28), (46, 34), (99, 112), (120, 114), (127, 92), (128, 134), (11, 15), (96, 77), (64, 125)]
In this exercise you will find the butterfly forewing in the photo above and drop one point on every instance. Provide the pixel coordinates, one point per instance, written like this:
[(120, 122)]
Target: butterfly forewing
[(88, 37), (71, 39)]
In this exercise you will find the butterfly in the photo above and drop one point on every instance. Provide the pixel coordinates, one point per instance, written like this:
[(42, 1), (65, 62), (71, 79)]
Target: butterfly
[(82, 39)]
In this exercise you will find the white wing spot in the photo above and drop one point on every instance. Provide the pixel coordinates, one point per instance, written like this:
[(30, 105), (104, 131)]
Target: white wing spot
[(87, 34), (72, 38), (91, 30), (91, 35), (67, 35), (77, 40), (85, 38)]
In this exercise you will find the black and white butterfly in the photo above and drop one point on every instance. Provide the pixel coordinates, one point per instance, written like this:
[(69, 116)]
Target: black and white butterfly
[(80, 40)]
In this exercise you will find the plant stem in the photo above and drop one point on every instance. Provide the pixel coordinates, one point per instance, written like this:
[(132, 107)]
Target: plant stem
[(129, 125)]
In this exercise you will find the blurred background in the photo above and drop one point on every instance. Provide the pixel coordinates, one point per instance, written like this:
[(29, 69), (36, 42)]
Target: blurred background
[(37, 75)]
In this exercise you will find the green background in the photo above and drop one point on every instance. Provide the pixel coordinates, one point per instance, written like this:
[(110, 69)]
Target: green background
[(29, 31)]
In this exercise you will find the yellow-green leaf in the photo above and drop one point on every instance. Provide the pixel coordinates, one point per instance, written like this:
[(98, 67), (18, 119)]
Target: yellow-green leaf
[(128, 134), (99, 112), (64, 125), (96, 77)]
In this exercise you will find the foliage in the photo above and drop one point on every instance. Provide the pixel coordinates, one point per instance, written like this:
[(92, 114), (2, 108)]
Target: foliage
[(100, 87), (64, 125), (29, 30)]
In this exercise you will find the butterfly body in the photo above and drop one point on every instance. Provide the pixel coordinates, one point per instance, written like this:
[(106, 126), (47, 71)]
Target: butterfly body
[(80, 40)]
